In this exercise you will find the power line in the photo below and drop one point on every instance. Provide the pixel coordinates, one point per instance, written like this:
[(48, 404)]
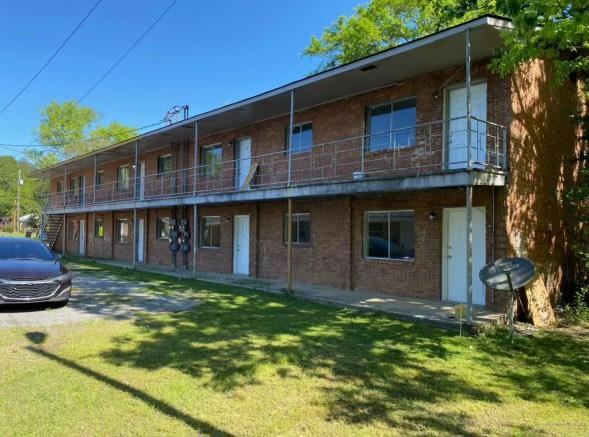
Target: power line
[(51, 58), (4, 145), (143, 35)]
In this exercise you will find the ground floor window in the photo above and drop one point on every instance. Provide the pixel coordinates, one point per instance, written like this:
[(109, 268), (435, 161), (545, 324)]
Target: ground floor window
[(389, 234), (210, 232), (74, 229), (163, 228), (122, 231), (301, 228), (99, 228)]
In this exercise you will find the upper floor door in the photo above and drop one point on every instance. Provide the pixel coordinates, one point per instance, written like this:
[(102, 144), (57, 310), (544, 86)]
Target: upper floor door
[(243, 151), (456, 136)]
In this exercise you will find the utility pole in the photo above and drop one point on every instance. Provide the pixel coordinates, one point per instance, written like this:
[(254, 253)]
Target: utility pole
[(19, 183)]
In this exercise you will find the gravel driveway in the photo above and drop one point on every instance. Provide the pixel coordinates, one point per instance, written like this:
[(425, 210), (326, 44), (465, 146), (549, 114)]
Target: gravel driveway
[(100, 296)]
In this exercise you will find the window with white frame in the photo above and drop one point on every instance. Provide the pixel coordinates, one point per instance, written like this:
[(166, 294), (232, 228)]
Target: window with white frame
[(392, 125), (212, 157), (122, 231), (163, 227), (164, 164), (302, 137), (301, 228), (99, 228), (99, 178), (210, 232), (389, 234), (123, 177)]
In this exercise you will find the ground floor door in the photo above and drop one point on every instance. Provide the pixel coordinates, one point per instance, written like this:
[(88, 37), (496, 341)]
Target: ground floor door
[(140, 240), (244, 156), (454, 255), (241, 244), (82, 237)]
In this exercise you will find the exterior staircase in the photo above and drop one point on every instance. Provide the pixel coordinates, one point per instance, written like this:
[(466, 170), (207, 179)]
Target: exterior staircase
[(51, 230)]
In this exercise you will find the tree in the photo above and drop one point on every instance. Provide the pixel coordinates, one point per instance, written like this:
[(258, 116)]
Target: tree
[(30, 193), (382, 24), (70, 129)]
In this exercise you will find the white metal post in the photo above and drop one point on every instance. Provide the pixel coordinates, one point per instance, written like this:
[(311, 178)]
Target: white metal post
[(290, 128), (136, 167), (94, 183), (135, 235), (469, 186), (195, 159), (194, 236), (468, 104), (64, 185)]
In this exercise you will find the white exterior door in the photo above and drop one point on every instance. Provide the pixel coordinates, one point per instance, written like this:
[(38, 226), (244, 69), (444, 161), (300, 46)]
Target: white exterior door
[(244, 156), (456, 134), (82, 237), (141, 180), (140, 239), (241, 244), (454, 261)]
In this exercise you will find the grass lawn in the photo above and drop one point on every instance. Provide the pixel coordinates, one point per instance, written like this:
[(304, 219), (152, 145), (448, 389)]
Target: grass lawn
[(255, 363)]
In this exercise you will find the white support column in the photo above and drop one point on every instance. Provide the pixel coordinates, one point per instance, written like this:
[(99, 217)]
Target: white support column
[(135, 236), (468, 104), (290, 128), (135, 172), (94, 182), (289, 247), (194, 237), (469, 253), (64, 186), (195, 159), (63, 232), (469, 186)]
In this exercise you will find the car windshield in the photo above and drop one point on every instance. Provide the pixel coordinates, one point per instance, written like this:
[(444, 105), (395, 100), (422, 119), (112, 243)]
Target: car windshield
[(24, 249)]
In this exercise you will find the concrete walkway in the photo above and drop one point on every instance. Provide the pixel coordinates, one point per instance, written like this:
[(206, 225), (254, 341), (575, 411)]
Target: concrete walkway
[(437, 312)]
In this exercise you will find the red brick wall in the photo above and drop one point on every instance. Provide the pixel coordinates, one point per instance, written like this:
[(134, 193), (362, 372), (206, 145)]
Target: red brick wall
[(326, 260), (220, 260), (334, 121)]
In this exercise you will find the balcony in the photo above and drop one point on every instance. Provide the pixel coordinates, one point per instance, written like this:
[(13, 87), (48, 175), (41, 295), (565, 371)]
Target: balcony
[(432, 148)]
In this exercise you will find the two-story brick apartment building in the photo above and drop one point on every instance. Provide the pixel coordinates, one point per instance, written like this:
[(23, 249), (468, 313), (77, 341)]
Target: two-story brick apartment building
[(380, 163)]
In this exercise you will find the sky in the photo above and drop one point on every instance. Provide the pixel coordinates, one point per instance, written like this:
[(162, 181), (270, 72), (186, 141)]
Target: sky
[(202, 53)]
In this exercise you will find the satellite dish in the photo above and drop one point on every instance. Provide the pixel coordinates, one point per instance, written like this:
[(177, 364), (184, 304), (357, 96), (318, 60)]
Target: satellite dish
[(520, 270)]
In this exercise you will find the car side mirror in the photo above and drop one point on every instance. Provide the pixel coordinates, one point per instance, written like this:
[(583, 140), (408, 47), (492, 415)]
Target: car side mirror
[(58, 256)]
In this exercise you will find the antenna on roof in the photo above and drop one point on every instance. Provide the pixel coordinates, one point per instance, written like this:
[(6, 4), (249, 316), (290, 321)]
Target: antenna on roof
[(173, 114)]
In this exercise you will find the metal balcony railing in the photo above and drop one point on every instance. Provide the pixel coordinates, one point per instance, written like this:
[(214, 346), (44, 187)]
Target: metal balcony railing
[(426, 148)]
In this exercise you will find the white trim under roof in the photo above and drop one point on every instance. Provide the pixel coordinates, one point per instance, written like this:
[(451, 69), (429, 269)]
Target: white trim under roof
[(149, 140)]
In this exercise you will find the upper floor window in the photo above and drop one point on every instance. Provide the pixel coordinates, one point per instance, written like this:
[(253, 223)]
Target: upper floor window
[(164, 164), (301, 228), (392, 125), (99, 178), (163, 228), (302, 137), (389, 234), (76, 185), (123, 177), (59, 186), (212, 160)]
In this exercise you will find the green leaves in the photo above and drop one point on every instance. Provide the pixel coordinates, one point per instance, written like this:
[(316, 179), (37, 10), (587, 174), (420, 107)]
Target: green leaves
[(70, 129), (382, 24)]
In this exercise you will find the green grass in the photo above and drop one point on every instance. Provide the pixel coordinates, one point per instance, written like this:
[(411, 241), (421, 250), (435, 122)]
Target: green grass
[(255, 363)]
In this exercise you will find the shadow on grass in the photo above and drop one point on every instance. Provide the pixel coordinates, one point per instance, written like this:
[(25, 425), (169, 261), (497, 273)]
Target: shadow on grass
[(377, 369), (161, 406)]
